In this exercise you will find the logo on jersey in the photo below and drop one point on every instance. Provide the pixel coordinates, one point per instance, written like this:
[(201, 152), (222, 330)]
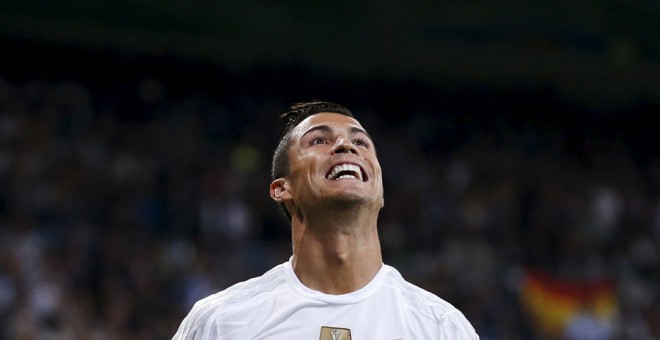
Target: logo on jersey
[(335, 333)]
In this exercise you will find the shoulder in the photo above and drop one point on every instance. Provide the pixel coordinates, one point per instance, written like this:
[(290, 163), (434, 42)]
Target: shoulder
[(431, 308), (230, 305)]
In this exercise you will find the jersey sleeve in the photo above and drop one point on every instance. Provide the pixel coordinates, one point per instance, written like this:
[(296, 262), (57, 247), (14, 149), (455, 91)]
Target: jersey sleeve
[(198, 324), (456, 327)]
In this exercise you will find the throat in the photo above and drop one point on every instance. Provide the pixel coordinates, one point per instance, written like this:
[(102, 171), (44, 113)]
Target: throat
[(337, 275), (336, 263)]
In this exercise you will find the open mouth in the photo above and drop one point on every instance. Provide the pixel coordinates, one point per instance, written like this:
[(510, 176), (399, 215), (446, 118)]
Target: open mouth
[(346, 171)]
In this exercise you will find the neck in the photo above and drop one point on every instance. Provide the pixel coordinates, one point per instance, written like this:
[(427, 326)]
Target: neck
[(337, 253)]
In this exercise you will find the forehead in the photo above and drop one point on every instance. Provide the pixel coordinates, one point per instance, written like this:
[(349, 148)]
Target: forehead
[(330, 119)]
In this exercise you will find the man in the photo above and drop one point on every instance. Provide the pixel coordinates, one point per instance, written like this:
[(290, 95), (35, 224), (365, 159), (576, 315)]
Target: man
[(327, 179)]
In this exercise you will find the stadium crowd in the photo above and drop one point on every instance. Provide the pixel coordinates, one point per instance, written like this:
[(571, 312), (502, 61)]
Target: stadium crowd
[(119, 209)]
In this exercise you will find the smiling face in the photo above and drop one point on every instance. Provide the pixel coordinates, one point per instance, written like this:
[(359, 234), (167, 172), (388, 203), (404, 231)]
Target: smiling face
[(332, 160)]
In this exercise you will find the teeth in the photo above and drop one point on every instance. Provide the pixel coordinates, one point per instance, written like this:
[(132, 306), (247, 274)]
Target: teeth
[(356, 173)]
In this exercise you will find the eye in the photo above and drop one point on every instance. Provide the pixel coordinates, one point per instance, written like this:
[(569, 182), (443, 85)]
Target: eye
[(318, 140), (361, 142)]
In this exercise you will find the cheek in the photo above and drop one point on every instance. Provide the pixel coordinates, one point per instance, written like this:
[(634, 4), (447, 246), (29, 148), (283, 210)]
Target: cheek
[(306, 171), (298, 165), (378, 172), (378, 176)]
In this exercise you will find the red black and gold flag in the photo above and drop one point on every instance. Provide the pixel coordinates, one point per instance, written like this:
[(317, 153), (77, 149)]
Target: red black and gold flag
[(553, 301)]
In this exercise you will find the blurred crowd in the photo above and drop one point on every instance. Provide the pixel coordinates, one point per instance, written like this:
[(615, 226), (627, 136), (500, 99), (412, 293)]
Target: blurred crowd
[(119, 208)]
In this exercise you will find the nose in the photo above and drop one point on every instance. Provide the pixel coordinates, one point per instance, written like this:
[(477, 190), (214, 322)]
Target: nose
[(344, 146)]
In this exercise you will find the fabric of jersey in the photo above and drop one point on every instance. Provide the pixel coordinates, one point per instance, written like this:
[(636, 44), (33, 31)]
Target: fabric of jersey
[(277, 306)]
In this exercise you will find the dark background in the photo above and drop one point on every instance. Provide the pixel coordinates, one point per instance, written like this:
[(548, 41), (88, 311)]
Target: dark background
[(136, 140)]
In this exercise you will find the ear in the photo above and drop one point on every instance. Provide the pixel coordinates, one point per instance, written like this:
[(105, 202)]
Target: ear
[(279, 190)]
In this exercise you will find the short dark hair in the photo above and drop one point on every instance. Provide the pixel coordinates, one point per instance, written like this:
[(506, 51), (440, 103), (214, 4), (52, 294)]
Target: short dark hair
[(296, 114)]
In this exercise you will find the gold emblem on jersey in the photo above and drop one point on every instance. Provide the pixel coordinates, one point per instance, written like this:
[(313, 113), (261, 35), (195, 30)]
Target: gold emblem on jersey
[(335, 333)]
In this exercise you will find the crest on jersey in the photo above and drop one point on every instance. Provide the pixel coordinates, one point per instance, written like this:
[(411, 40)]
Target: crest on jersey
[(335, 333)]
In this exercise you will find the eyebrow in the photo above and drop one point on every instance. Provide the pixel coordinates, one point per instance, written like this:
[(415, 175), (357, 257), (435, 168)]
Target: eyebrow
[(325, 128)]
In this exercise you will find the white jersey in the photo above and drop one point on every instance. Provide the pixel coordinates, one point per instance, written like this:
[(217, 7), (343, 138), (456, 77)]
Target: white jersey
[(277, 306)]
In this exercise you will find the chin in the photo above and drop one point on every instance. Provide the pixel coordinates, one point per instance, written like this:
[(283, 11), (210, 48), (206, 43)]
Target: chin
[(351, 198)]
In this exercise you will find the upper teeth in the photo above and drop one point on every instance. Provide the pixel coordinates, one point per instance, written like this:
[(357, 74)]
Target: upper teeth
[(354, 169)]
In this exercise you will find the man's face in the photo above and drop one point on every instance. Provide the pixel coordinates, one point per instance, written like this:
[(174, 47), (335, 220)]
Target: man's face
[(333, 159)]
